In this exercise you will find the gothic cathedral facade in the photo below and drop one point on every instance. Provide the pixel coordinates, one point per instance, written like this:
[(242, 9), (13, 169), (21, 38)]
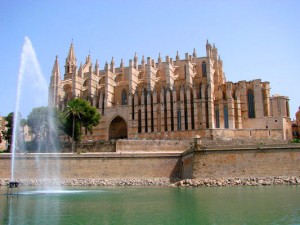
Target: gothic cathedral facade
[(171, 99)]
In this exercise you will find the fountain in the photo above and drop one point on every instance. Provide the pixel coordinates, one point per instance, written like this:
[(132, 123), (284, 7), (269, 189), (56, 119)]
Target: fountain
[(32, 91)]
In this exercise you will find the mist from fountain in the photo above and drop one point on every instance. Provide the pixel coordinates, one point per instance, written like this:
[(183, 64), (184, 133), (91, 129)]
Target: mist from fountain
[(32, 91)]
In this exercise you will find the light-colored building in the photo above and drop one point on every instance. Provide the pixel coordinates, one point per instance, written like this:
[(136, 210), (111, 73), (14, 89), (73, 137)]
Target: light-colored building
[(171, 99)]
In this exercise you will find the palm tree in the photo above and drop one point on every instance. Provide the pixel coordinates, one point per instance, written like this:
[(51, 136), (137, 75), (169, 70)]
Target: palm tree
[(74, 109)]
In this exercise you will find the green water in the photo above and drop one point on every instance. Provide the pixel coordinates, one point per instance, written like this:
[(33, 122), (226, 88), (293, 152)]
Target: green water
[(230, 205)]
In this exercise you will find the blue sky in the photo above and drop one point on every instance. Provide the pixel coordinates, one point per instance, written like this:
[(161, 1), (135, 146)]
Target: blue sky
[(256, 39)]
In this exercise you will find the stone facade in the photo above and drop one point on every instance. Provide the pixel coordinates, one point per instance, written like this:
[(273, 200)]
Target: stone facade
[(171, 99), (214, 163)]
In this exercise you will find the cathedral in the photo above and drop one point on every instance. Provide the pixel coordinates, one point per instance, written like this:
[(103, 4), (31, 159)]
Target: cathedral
[(170, 98)]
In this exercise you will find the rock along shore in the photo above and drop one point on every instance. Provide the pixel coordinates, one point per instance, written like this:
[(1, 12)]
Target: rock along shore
[(165, 182)]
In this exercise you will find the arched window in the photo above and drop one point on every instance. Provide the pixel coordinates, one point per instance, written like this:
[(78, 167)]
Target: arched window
[(124, 97), (251, 109), (204, 69), (217, 113), (226, 125)]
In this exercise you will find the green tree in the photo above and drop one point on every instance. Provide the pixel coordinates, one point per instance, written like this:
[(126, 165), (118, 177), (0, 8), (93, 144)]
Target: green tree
[(79, 113), (45, 124), (8, 132)]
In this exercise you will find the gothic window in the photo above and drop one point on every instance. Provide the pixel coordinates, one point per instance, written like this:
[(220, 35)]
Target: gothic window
[(152, 115), (226, 125), (217, 116), (124, 97), (132, 109), (146, 112), (185, 113), (165, 110), (204, 69), (251, 109), (192, 111), (140, 121), (178, 119)]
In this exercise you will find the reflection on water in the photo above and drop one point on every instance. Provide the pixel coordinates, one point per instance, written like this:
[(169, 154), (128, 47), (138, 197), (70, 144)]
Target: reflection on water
[(58, 191), (230, 205)]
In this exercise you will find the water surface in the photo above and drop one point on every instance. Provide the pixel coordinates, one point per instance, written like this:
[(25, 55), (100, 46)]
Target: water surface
[(229, 205)]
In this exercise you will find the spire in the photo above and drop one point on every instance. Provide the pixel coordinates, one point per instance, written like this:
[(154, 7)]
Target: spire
[(159, 58), (194, 53), (71, 56), (143, 60), (135, 61), (88, 59), (55, 70), (208, 49), (54, 85), (112, 65), (97, 67), (106, 66), (70, 65), (177, 56), (135, 57), (121, 64)]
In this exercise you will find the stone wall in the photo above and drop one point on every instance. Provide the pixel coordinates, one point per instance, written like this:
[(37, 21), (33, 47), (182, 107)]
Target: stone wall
[(152, 145), (247, 162), (98, 166), (225, 162)]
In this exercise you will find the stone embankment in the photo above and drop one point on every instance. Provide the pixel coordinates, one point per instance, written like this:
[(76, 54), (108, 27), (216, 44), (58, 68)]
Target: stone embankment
[(205, 182), (91, 182), (252, 181)]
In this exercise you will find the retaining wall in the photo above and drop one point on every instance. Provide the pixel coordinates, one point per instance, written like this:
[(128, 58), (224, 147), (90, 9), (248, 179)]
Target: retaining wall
[(247, 162), (72, 166)]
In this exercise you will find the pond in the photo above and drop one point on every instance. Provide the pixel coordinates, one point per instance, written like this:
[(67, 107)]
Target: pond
[(152, 205)]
